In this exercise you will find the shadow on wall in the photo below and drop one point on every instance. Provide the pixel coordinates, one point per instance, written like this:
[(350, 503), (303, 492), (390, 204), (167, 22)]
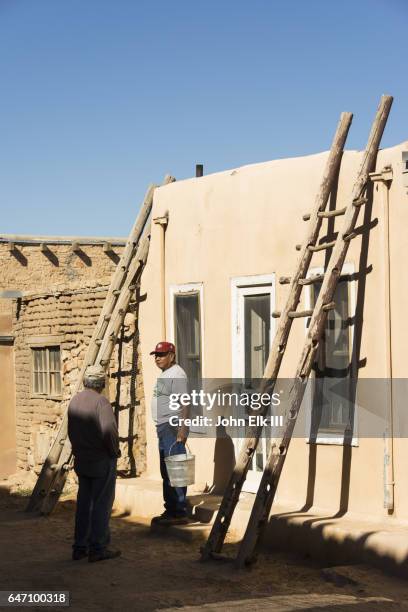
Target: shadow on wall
[(356, 361), (224, 460), (129, 397), (224, 457)]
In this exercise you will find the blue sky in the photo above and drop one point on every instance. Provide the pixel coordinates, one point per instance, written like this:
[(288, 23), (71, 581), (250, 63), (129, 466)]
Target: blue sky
[(100, 98)]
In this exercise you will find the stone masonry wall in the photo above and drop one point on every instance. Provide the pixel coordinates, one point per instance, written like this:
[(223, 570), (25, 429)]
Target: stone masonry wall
[(27, 268), (68, 311)]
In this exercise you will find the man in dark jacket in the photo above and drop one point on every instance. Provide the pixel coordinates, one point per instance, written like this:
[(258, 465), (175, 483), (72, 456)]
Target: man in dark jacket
[(93, 434)]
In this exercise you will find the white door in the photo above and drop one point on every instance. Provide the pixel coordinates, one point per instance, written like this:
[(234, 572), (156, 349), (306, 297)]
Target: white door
[(253, 327)]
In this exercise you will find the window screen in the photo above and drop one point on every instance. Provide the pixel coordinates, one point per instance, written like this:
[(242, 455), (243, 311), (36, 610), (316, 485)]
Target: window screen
[(257, 331), (332, 410), (188, 336), (47, 370)]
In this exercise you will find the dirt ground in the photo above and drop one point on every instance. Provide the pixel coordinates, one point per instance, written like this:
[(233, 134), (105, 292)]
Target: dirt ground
[(158, 572)]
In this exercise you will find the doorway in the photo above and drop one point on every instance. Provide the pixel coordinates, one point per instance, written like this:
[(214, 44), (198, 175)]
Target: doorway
[(253, 300)]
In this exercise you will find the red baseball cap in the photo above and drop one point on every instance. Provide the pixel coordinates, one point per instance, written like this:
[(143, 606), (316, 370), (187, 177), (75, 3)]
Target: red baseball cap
[(164, 347)]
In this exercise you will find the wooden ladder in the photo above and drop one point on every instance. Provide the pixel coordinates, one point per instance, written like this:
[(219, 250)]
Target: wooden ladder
[(279, 446), (125, 279)]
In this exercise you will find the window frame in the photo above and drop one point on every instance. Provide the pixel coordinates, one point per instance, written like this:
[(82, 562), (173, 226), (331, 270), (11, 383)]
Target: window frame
[(44, 343), (188, 289), (325, 438)]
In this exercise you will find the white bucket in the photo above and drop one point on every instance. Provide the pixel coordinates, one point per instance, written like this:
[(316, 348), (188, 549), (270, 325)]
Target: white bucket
[(180, 468)]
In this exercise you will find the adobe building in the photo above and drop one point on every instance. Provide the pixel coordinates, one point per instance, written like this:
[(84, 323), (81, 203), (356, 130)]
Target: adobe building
[(214, 278), (51, 292), (230, 238)]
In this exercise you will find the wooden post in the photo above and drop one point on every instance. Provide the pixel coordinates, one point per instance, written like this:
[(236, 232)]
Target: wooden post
[(162, 222), (279, 446), (383, 180)]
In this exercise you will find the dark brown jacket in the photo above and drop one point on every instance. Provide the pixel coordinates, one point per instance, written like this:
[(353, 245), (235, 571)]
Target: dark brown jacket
[(92, 427)]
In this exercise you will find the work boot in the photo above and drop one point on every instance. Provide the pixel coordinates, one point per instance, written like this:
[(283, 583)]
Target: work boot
[(103, 555), (169, 519), (78, 554), (156, 520)]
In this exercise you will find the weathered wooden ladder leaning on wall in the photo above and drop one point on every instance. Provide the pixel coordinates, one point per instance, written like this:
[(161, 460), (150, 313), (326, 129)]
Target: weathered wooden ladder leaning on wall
[(125, 279), (279, 446)]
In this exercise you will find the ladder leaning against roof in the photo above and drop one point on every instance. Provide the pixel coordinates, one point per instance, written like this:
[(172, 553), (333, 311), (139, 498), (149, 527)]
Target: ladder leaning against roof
[(279, 446), (127, 274), (271, 474)]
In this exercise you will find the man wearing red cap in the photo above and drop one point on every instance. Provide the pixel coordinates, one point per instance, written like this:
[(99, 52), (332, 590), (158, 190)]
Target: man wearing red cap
[(172, 380)]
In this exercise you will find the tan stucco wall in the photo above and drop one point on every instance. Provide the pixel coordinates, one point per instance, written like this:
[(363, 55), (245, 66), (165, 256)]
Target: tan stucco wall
[(247, 222), (8, 459)]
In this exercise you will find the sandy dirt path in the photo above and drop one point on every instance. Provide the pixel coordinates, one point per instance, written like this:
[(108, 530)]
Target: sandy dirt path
[(157, 572)]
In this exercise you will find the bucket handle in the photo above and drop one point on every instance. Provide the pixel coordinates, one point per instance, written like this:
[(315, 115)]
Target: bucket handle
[(175, 442)]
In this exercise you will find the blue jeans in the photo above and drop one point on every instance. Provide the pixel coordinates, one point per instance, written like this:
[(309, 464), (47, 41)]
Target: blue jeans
[(174, 497), (96, 493)]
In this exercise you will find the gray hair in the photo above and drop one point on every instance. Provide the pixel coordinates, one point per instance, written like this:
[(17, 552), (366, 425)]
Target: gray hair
[(94, 377), (94, 383)]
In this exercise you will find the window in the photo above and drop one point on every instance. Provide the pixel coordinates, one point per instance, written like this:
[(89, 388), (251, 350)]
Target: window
[(257, 326), (332, 405), (46, 370), (187, 323)]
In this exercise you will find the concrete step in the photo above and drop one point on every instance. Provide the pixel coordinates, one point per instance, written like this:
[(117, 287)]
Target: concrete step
[(142, 499), (192, 532)]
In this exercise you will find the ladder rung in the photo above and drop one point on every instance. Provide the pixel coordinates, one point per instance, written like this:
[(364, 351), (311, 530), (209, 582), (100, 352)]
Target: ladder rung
[(98, 342), (132, 287), (284, 280), (328, 214), (294, 314), (298, 247), (329, 306), (104, 362), (360, 201), (276, 314), (116, 292), (350, 236), (321, 247), (311, 279), (107, 317)]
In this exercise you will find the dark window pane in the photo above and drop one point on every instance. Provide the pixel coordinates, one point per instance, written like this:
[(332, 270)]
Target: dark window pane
[(36, 386), (332, 408), (257, 330), (188, 336)]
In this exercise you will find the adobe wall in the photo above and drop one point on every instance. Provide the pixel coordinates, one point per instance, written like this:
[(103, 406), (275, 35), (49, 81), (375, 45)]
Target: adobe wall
[(247, 221), (62, 293), (27, 268), (8, 461), (68, 318)]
